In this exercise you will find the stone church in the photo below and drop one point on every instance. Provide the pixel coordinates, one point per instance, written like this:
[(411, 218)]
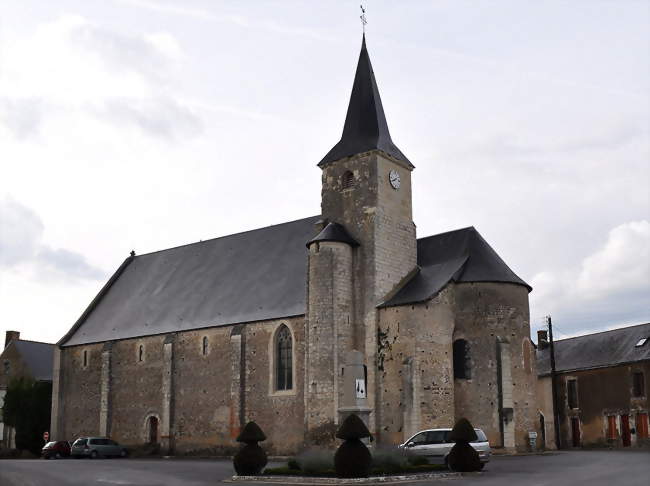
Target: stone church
[(297, 324)]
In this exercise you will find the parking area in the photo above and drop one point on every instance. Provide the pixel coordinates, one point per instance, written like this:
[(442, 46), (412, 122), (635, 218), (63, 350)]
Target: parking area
[(571, 468)]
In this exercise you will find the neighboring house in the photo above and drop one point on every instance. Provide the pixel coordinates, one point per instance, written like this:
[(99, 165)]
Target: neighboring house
[(21, 358), (602, 388), (298, 324)]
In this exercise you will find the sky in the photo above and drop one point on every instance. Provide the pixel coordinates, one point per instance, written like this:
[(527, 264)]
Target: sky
[(147, 124)]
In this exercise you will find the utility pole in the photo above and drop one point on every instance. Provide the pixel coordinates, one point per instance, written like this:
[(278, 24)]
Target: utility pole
[(556, 408)]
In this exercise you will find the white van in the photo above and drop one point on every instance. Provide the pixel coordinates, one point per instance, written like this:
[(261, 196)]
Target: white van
[(433, 444)]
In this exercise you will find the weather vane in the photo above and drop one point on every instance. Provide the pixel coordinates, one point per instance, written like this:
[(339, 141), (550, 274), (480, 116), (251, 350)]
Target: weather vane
[(363, 18)]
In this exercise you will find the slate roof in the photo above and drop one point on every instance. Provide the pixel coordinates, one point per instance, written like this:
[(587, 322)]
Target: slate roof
[(37, 357), (365, 126), (599, 350), (460, 256), (334, 232), (253, 276)]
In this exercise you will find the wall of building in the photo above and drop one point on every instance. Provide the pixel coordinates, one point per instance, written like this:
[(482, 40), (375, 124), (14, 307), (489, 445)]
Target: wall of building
[(601, 393), (202, 406), (546, 439), (494, 319), (415, 376), (80, 387)]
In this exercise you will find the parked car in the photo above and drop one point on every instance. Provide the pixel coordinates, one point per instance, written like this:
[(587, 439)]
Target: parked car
[(56, 449), (97, 447), (433, 445)]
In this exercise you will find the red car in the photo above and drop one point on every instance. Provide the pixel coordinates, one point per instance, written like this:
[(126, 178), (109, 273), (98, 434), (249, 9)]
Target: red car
[(56, 449)]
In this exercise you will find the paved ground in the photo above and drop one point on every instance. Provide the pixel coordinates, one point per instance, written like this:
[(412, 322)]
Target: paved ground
[(575, 468)]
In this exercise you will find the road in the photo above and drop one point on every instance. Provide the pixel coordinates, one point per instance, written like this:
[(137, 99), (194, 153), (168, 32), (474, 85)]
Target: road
[(574, 468)]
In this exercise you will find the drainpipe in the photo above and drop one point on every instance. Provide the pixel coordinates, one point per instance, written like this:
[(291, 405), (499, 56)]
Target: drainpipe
[(556, 408)]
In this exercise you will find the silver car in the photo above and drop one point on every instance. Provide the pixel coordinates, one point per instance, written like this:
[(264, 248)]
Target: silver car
[(97, 447), (433, 445)]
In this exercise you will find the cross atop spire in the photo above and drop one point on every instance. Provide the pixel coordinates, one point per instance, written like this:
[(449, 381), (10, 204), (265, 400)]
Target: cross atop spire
[(363, 19), (365, 126)]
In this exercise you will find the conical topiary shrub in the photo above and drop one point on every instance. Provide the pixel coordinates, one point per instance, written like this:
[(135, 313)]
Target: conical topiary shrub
[(352, 458), (463, 457), (251, 459)]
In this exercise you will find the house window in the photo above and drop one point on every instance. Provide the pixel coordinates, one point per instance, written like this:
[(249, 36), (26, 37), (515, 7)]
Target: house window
[(611, 427), (638, 384), (85, 358), (7, 367), (283, 359), (462, 366), (572, 393), (204, 346), (347, 181), (141, 353)]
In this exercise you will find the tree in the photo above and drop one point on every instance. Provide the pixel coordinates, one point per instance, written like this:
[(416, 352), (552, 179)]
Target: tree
[(27, 409)]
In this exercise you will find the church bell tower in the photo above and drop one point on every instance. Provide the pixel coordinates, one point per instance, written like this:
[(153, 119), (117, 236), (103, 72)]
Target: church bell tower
[(366, 249)]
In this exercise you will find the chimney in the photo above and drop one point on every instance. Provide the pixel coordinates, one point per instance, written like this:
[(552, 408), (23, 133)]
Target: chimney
[(11, 336), (542, 339)]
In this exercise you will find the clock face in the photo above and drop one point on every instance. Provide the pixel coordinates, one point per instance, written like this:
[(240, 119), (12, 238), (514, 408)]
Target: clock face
[(393, 177)]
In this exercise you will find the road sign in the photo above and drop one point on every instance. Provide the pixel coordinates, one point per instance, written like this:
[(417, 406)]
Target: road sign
[(46, 436)]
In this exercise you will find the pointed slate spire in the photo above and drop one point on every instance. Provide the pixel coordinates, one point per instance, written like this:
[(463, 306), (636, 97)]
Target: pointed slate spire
[(365, 124)]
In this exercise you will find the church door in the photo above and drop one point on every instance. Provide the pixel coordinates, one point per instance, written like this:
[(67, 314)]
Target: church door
[(153, 430)]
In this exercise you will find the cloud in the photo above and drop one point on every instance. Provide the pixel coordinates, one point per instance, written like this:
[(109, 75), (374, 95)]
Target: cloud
[(161, 117), (21, 232), (612, 284), (121, 78), (22, 116), (267, 25)]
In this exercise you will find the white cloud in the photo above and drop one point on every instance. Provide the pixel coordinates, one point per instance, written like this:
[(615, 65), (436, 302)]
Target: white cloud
[(612, 283), (22, 249), (621, 265)]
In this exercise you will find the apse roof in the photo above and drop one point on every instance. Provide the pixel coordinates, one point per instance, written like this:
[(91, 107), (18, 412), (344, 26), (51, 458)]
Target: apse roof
[(253, 276), (598, 350), (460, 256), (365, 126)]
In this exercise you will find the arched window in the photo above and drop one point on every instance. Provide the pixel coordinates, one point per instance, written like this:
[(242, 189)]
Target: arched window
[(348, 180), (141, 353), (204, 346), (283, 359), (462, 365), (152, 426)]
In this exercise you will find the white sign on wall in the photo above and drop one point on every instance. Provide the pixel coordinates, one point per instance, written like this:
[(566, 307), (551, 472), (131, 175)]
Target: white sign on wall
[(361, 388)]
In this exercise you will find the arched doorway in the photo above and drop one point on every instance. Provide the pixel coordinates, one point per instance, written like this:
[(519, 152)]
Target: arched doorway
[(152, 427)]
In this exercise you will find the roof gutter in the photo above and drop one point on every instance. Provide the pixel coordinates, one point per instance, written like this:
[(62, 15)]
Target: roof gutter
[(104, 290)]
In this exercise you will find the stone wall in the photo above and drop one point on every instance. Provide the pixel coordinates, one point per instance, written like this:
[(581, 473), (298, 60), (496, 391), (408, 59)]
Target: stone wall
[(80, 392), (198, 408), (494, 319), (414, 368), (602, 393)]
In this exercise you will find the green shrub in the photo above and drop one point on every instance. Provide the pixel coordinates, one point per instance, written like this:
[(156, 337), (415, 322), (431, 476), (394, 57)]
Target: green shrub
[(390, 460), (293, 464), (315, 460)]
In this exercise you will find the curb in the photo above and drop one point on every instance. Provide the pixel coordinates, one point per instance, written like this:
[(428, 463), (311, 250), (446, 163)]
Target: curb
[(325, 481)]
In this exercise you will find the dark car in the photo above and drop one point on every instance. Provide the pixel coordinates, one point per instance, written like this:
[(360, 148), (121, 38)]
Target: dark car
[(56, 449), (94, 447)]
